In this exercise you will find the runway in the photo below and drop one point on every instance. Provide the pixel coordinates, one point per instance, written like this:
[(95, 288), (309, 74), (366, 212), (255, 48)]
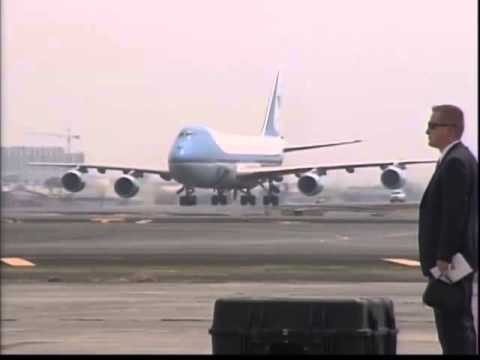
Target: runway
[(105, 283), (275, 249)]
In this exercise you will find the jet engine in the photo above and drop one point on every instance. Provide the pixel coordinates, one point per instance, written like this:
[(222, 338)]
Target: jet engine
[(393, 178), (72, 181), (310, 184), (126, 186)]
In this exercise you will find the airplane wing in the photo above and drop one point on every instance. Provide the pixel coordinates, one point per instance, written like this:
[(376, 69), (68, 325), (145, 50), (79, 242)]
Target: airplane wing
[(266, 171), (314, 146), (102, 168)]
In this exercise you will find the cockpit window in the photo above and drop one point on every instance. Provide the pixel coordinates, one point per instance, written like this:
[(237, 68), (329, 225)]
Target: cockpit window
[(185, 133)]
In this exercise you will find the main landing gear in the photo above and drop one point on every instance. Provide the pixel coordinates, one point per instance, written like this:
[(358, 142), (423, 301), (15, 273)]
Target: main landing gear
[(251, 199), (219, 199), (248, 199), (188, 199), (270, 198)]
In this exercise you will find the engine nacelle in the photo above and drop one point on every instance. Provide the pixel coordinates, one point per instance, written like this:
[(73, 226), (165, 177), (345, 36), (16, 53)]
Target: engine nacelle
[(393, 178), (310, 184), (72, 181), (126, 186)]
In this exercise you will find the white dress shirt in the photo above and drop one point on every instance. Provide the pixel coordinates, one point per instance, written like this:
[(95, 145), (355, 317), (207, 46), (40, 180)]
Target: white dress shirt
[(444, 151)]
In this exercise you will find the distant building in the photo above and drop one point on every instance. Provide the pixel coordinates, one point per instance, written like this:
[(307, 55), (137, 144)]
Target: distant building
[(15, 159)]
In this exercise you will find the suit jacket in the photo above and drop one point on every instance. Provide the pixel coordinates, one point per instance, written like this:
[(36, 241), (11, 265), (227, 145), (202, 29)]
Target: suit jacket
[(448, 219)]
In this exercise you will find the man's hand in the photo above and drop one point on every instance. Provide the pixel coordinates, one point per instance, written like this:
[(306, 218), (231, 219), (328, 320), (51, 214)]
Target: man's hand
[(443, 266)]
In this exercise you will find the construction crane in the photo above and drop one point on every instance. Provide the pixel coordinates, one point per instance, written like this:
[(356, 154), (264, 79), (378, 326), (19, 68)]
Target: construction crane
[(68, 135)]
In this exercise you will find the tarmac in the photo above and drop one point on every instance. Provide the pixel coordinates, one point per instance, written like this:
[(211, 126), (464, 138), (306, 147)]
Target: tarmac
[(146, 283)]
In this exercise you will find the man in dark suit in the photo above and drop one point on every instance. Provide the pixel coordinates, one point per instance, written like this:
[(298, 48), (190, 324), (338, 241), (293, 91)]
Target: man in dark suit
[(448, 224)]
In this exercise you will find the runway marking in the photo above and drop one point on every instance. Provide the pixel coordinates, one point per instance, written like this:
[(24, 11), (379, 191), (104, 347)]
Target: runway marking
[(146, 221), (184, 319), (289, 222), (342, 237), (17, 262), (405, 262), (400, 234), (22, 343), (108, 220), (11, 221)]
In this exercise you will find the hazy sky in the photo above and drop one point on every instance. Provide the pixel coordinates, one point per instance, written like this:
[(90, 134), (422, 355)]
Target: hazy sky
[(126, 75)]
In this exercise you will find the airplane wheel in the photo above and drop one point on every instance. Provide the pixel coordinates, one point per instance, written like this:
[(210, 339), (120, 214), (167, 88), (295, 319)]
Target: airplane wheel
[(214, 200), (252, 200), (188, 200), (222, 200), (243, 200), (274, 200), (192, 200), (266, 200)]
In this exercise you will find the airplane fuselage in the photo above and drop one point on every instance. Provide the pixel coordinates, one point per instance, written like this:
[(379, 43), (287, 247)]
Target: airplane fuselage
[(204, 158)]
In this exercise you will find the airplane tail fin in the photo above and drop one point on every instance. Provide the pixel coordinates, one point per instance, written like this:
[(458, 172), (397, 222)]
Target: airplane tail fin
[(270, 124)]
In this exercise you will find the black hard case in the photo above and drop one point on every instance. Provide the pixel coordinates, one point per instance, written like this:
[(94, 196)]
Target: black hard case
[(304, 326)]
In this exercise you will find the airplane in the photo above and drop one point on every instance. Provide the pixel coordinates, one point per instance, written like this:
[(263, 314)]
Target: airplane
[(202, 157)]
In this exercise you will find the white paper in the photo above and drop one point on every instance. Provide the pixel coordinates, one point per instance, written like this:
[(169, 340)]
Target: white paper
[(461, 269)]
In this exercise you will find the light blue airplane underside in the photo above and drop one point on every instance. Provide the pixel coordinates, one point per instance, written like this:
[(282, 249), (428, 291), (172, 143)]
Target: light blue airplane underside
[(201, 157)]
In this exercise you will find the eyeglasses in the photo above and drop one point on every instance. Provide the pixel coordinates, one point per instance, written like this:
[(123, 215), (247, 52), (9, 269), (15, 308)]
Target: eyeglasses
[(432, 126)]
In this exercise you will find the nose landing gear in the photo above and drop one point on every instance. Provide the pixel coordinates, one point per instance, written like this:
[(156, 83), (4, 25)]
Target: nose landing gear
[(189, 199)]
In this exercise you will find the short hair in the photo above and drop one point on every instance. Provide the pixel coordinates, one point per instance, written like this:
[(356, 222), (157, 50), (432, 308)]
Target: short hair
[(451, 114)]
